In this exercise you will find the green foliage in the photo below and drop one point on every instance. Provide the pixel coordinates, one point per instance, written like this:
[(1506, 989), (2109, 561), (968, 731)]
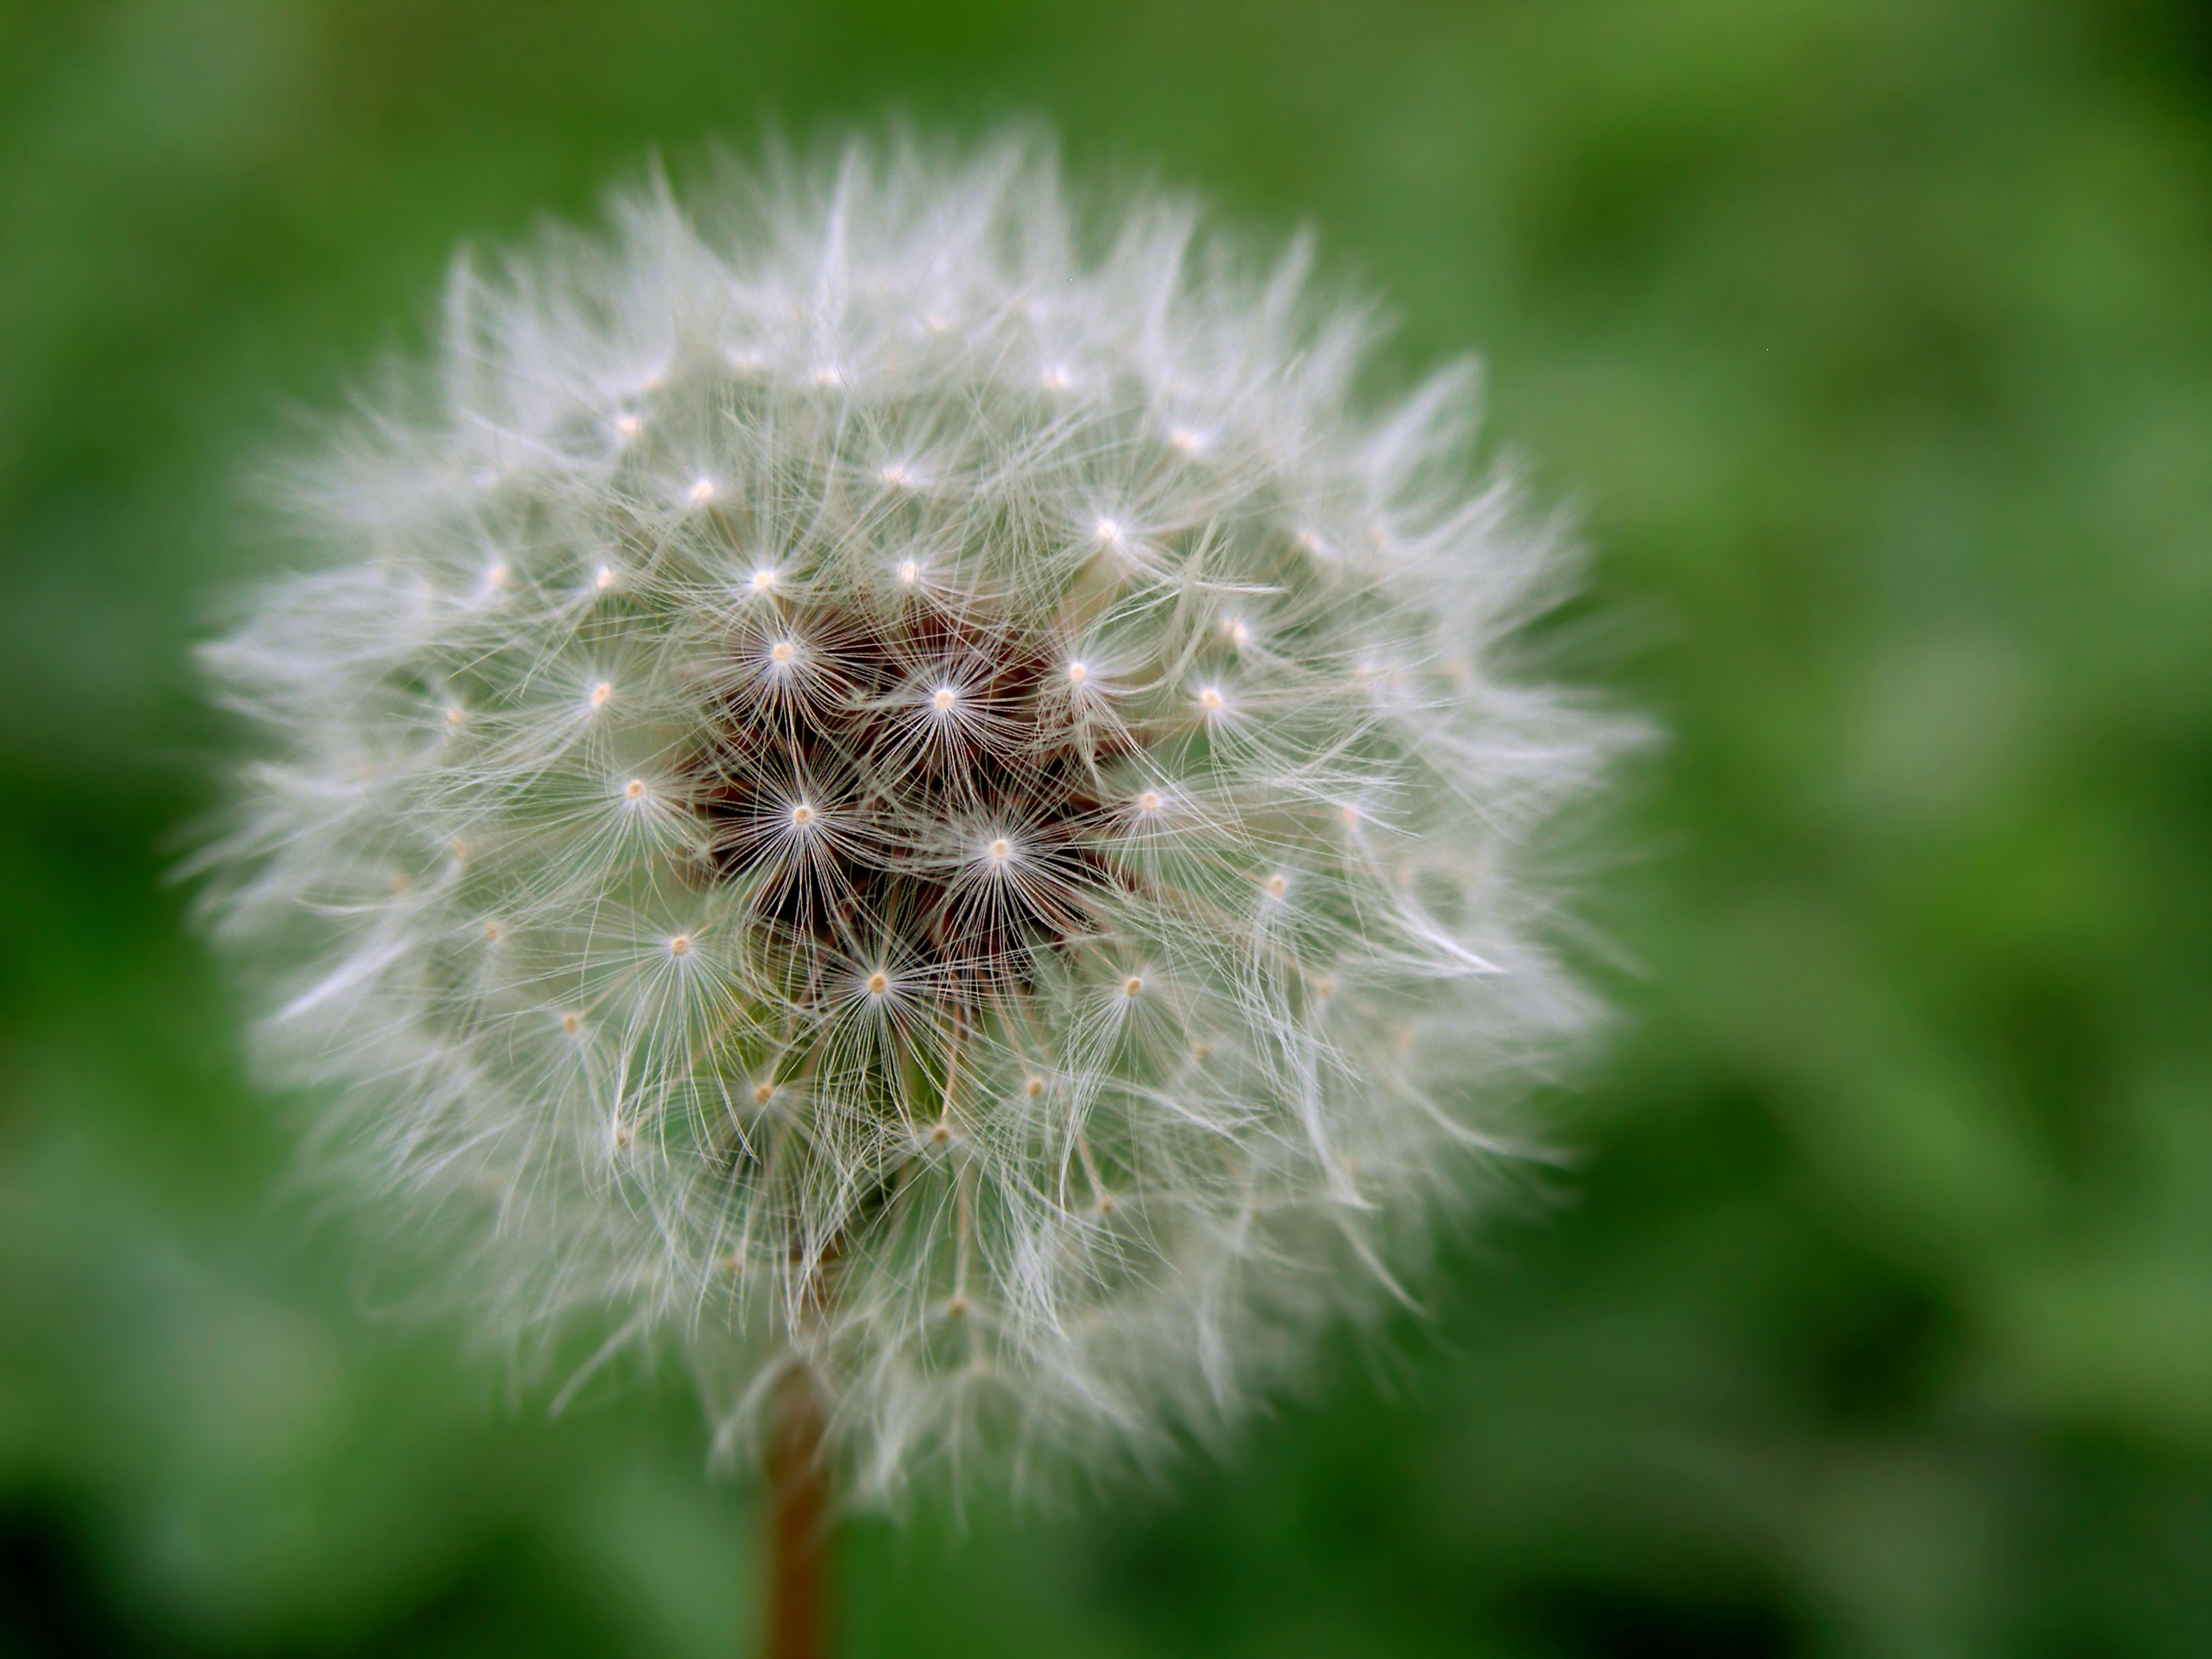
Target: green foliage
[(1877, 1319)]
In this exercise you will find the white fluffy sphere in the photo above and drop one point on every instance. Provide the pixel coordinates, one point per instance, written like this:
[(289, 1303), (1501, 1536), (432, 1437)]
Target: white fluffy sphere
[(860, 782)]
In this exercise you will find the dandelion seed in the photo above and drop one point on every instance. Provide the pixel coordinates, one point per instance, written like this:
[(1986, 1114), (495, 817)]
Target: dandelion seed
[(912, 940)]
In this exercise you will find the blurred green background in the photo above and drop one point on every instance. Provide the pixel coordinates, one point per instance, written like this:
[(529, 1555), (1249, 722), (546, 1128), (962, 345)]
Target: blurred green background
[(1873, 339)]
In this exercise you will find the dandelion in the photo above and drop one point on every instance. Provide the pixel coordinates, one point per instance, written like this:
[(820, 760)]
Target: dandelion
[(1002, 975)]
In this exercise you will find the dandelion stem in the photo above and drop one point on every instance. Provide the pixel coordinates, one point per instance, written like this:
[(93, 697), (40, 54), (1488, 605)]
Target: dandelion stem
[(799, 1526)]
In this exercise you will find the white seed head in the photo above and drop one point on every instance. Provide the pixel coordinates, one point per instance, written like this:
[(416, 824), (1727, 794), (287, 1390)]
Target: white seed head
[(801, 921)]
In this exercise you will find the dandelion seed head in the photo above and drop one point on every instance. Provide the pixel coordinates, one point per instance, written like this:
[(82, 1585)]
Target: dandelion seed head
[(880, 977)]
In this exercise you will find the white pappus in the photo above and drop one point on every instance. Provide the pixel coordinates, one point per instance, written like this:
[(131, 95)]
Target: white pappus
[(871, 771)]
